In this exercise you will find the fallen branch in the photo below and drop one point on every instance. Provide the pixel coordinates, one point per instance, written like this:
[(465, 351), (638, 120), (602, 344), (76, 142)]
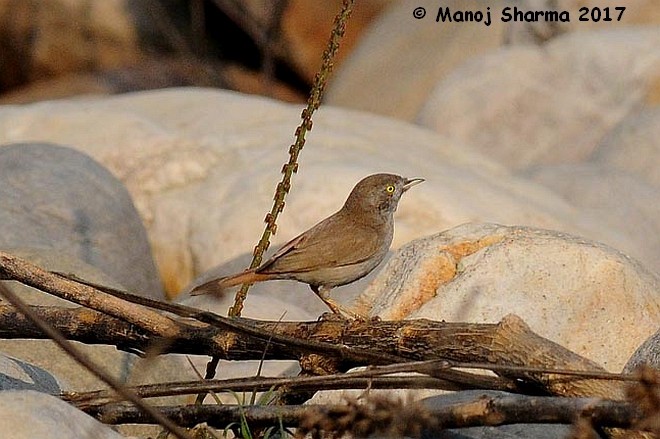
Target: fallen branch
[(372, 378), (510, 348), (483, 410)]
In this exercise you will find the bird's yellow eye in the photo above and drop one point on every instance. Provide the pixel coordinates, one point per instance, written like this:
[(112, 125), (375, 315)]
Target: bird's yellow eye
[(390, 189)]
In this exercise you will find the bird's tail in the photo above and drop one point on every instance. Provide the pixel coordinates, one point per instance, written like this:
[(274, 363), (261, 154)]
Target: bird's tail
[(217, 286)]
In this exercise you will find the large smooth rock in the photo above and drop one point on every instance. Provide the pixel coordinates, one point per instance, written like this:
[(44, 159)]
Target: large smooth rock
[(60, 200), (583, 295), (64, 212), (400, 58), (634, 146), (599, 191), (28, 414), (546, 105)]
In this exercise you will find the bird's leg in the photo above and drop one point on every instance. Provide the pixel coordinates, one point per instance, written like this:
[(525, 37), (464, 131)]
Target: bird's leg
[(336, 308)]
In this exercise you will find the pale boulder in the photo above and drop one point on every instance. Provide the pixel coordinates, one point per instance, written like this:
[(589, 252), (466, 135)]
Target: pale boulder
[(606, 195), (203, 187), (400, 58), (583, 295), (527, 105), (634, 146)]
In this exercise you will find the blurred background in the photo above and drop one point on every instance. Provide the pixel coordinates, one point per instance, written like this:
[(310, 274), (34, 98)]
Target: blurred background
[(61, 48)]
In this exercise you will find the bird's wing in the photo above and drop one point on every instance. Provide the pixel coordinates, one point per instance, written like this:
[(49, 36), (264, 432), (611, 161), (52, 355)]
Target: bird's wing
[(323, 246)]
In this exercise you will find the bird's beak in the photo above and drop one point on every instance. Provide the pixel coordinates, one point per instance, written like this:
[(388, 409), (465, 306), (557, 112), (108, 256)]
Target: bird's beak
[(410, 182)]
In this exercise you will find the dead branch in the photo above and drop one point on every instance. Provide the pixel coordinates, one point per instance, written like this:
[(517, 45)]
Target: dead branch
[(371, 378), (509, 347), (83, 360), (508, 343), (484, 410), (13, 268)]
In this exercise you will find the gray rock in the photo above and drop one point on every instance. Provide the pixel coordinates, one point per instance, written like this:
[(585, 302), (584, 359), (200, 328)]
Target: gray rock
[(16, 374), (65, 212), (648, 353), (27, 414), (56, 198)]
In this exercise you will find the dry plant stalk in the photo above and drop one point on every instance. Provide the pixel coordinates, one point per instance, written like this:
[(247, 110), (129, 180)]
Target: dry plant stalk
[(291, 167)]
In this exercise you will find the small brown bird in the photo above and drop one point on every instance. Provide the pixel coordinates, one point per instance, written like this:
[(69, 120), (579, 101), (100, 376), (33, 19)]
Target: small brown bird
[(339, 250)]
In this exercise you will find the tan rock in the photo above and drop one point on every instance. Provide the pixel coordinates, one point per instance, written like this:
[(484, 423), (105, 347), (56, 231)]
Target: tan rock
[(47, 39), (400, 58), (546, 105), (306, 27), (599, 192), (634, 146), (583, 295)]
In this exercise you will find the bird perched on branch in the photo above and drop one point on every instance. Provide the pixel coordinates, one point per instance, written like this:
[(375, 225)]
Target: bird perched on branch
[(339, 250)]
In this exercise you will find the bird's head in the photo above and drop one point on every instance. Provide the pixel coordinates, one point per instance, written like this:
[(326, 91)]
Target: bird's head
[(379, 193)]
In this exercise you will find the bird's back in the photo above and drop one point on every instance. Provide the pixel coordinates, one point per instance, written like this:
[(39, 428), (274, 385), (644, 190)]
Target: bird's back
[(336, 251)]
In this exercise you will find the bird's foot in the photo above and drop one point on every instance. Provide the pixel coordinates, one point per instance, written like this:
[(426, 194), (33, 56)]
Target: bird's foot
[(336, 308)]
